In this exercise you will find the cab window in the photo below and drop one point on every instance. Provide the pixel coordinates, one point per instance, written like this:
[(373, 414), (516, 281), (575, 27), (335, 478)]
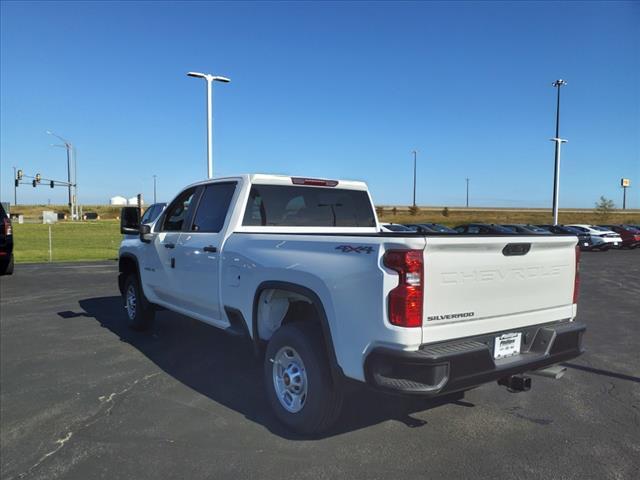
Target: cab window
[(213, 207), (178, 211)]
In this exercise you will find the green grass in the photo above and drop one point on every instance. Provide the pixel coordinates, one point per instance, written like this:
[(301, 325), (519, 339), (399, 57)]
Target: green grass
[(70, 241)]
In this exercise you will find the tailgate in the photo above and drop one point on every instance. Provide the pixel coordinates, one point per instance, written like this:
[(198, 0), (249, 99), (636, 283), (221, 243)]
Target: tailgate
[(477, 285)]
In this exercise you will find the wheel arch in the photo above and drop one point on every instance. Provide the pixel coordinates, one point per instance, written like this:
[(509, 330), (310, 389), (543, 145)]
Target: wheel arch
[(321, 315), (127, 263)]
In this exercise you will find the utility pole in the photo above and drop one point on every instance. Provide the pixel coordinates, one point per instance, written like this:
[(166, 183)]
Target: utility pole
[(415, 155), (72, 197), (154, 188), (467, 179), (558, 142), (15, 187), (209, 79)]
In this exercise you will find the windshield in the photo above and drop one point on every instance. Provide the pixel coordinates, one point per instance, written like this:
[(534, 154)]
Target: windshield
[(440, 228), (394, 227), (501, 229), (601, 229)]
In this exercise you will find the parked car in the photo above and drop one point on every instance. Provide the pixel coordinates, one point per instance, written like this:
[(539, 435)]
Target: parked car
[(526, 229), (6, 243), (630, 236), (394, 227), (300, 267), (613, 239), (430, 227), (483, 228), (586, 242)]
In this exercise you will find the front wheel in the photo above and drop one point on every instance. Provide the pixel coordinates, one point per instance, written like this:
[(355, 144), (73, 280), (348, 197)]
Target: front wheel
[(299, 385), (140, 313), (7, 267)]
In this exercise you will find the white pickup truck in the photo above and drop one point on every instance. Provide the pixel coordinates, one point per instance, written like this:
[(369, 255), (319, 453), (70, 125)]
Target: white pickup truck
[(302, 268)]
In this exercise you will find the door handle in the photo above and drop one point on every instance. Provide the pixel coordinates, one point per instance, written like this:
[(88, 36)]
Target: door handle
[(210, 248), (169, 245)]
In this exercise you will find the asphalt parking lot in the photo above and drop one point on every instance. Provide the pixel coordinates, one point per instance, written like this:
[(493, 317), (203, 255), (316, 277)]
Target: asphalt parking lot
[(83, 397)]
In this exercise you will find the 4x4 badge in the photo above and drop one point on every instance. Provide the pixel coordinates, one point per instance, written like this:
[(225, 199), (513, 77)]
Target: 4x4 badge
[(355, 249)]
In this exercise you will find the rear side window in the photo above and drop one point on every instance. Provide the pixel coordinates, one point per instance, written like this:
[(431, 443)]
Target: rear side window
[(213, 207), (304, 206), (177, 212)]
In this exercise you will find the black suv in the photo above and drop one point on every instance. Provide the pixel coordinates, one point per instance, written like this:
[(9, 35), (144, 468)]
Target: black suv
[(6, 243)]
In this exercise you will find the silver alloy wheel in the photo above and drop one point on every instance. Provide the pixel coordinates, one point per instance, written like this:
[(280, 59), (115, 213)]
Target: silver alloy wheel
[(131, 302), (290, 379)]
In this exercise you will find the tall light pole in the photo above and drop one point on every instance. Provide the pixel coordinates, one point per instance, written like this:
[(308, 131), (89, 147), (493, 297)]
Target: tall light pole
[(467, 192), (69, 147), (558, 84), (415, 155), (209, 79), (154, 188), (15, 187)]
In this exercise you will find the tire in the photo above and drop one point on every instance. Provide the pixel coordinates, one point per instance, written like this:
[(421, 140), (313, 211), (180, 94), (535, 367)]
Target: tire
[(139, 311), (298, 380), (7, 268)]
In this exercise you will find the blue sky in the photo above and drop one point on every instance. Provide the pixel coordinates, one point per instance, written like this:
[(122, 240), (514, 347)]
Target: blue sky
[(339, 90)]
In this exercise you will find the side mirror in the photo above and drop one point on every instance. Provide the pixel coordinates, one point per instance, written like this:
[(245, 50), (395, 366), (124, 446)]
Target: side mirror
[(145, 233), (130, 220)]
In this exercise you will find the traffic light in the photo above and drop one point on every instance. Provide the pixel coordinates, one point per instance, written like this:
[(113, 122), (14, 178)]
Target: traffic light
[(33, 183), (17, 182), (20, 175), (51, 184)]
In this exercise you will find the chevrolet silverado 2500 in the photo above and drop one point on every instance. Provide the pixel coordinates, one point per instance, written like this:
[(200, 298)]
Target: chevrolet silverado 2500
[(302, 268)]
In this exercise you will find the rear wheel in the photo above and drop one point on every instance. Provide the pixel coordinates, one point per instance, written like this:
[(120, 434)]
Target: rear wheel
[(297, 375), (140, 312)]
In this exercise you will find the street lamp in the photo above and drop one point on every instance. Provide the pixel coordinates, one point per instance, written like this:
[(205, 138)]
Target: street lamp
[(154, 188), (467, 179), (210, 79), (558, 142), (415, 155), (69, 147)]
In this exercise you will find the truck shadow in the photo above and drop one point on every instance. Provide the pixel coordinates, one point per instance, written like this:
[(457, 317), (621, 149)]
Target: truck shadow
[(224, 369)]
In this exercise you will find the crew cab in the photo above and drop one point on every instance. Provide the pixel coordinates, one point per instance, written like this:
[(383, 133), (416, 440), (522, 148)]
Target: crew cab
[(302, 268)]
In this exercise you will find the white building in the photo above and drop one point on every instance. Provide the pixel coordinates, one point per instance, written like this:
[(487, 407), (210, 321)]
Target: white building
[(133, 201), (117, 200)]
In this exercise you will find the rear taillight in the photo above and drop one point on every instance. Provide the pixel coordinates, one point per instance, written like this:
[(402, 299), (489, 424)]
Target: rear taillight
[(576, 281), (405, 300), (7, 226)]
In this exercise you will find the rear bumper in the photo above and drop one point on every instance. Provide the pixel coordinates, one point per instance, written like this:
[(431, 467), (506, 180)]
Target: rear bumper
[(438, 369)]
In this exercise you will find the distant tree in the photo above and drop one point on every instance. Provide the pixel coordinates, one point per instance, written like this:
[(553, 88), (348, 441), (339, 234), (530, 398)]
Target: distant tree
[(413, 210), (604, 207), (379, 211), (394, 210), (445, 212)]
